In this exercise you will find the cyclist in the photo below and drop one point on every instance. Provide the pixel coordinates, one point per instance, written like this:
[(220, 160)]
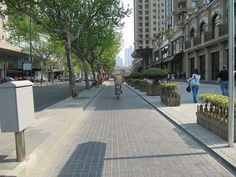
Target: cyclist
[(119, 81)]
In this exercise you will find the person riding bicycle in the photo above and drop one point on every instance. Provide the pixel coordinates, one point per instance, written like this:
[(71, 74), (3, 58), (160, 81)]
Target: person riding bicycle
[(119, 81)]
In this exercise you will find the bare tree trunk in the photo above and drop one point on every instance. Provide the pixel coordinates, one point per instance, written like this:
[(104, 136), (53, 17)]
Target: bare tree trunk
[(93, 71), (73, 88), (52, 76), (84, 64)]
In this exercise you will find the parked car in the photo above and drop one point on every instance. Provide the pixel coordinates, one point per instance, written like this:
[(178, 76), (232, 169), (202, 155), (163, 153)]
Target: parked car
[(7, 79)]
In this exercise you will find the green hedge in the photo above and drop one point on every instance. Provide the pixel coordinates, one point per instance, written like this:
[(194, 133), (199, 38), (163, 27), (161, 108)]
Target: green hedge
[(216, 100), (169, 87), (135, 75), (155, 73)]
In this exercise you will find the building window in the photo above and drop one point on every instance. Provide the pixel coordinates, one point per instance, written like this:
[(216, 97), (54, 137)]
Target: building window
[(192, 33), (147, 35), (213, 24), (194, 4), (202, 27), (177, 45), (165, 52), (3, 37)]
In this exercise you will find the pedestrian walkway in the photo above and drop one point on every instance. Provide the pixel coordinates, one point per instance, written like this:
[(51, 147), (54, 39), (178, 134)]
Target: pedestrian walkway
[(126, 137), (185, 116), (48, 127)]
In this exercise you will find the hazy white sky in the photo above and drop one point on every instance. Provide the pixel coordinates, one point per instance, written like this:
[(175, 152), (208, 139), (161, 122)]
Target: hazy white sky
[(128, 30)]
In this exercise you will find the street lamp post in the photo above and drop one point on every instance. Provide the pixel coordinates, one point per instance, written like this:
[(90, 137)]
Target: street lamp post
[(231, 73), (31, 61)]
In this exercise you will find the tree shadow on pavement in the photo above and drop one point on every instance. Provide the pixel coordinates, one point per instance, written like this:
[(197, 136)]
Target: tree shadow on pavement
[(86, 160)]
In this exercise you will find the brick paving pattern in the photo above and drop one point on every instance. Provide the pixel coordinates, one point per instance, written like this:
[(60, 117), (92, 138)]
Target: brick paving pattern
[(126, 138)]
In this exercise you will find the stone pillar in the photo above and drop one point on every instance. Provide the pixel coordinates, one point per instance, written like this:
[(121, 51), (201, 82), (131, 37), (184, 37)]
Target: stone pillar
[(208, 67), (222, 58), (187, 65), (196, 61)]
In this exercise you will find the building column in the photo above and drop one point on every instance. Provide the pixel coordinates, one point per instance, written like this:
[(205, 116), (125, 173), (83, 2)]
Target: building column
[(187, 66), (208, 67), (222, 58), (196, 61)]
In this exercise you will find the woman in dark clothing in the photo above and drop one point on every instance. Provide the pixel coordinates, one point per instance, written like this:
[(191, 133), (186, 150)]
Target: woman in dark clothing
[(224, 81)]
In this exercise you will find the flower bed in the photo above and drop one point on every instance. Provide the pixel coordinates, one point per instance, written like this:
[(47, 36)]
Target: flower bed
[(213, 114), (169, 95)]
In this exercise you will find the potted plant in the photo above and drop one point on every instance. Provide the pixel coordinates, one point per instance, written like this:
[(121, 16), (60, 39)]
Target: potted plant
[(133, 77), (169, 95), (213, 114), (155, 74)]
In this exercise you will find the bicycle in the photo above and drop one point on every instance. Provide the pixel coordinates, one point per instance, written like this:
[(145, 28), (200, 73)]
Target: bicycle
[(118, 91)]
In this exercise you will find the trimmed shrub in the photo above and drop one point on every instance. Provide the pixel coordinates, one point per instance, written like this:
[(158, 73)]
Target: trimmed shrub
[(216, 100), (169, 88), (155, 73), (135, 75)]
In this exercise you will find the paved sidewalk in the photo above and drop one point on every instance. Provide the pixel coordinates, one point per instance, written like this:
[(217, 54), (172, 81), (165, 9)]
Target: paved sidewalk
[(185, 116), (126, 137), (48, 127)]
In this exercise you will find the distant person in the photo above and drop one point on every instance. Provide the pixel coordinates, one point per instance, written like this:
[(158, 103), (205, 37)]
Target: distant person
[(223, 79), (172, 77), (118, 80), (168, 78), (194, 83)]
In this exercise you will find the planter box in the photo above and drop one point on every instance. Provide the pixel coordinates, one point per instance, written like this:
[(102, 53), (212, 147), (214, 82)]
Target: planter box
[(153, 90), (214, 119), (143, 85), (171, 100)]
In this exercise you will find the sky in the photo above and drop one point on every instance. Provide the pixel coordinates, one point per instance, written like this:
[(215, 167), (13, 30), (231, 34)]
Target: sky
[(128, 30)]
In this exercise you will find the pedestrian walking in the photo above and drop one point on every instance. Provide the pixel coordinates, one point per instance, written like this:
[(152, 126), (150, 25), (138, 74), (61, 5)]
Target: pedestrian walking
[(168, 77), (223, 80), (172, 77), (194, 83)]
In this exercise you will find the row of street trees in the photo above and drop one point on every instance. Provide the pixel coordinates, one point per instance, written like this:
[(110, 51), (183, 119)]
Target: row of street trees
[(84, 30)]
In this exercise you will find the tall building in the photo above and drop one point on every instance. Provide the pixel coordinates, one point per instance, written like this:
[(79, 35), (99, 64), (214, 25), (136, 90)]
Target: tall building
[(119, 61), (128, 57), (148, 21)]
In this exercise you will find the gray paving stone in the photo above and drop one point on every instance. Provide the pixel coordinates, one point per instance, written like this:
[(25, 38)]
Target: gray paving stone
[(126, 137)]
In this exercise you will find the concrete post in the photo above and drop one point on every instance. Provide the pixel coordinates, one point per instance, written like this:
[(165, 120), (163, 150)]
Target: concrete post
[(20, 146)]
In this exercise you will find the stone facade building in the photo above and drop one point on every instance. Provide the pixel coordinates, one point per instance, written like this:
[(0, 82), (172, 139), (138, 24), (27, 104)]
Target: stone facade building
[(195, 36), (149, 15)]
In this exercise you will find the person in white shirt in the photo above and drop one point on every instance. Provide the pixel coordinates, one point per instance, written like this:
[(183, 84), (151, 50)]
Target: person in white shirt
[(195, 84)]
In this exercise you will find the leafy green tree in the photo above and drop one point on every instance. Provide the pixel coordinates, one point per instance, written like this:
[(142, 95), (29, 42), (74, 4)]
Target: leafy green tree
[(68, 19)]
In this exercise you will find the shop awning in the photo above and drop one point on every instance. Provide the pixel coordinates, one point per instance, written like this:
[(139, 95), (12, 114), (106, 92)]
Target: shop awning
[(157, 63), (169, 59), (139, 53)]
